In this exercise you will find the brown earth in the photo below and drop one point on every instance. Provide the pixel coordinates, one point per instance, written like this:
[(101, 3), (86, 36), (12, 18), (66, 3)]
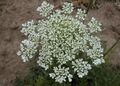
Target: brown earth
[(12, 14), (15, 12)]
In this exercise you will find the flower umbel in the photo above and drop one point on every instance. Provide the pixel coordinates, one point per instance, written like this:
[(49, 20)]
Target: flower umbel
[(45, 8), (64, 44), (60, 74), (81, 67)]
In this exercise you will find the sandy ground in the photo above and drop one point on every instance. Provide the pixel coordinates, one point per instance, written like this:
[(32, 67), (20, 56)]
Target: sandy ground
[(15, 12)]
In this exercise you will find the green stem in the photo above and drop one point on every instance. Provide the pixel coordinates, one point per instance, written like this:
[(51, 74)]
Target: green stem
[(111, 47)]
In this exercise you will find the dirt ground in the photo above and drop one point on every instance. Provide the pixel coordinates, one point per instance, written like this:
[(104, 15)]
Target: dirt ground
[(15, 12)]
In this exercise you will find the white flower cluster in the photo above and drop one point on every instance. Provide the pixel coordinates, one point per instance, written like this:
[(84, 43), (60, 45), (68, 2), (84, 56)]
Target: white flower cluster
[(61, 40), (45, 8), (67, 7), (81, 67), (81, 14), (94, 25), (27, 50), (60, 74)]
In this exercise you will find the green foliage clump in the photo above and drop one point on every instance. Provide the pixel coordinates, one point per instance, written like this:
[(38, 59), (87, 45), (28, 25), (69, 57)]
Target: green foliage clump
[(103, 75)]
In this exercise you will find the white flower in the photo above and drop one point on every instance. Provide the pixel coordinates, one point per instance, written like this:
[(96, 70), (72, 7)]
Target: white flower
[(61, 41), (60, 74), (81, 67), (94, 25), (28, 27), (98, 61), (67, 7), (81, 14), (45, 60), (28, 49), (45, 8)]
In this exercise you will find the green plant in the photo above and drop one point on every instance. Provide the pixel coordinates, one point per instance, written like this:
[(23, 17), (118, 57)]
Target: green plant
[(64, 46)]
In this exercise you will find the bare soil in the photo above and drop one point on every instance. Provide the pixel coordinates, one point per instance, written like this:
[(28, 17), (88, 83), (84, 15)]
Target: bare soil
[(15, 12)]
